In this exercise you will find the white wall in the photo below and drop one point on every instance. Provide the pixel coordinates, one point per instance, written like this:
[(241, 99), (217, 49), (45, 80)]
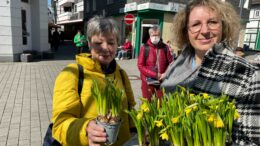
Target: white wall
[(11, 28)]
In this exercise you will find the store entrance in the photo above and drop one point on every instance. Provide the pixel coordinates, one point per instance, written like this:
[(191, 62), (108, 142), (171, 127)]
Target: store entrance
[(146, 24)]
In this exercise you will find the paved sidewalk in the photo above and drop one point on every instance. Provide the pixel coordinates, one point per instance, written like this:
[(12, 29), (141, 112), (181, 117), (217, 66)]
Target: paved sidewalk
[(26, 96)]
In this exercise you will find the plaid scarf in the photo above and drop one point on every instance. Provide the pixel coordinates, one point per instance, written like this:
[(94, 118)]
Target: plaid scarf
[(222, 72)]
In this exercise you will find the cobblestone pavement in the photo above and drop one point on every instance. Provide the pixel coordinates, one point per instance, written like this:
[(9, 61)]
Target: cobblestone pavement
[(26, 96)]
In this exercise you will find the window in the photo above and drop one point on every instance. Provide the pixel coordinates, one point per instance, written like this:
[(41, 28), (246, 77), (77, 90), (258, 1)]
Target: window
[(75, 8), (87, 7), (67, 9), (257, 14), (110, 1), (94, 5), (24, 27), (26, 1)]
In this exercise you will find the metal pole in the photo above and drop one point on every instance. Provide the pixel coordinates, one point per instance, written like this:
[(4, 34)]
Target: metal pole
[(241, 2), (241, 8)]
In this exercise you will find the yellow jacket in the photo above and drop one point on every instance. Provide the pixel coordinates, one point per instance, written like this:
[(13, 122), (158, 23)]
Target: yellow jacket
[(72, 113)]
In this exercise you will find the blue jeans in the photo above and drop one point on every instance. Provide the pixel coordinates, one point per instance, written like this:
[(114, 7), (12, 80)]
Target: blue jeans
[(121, 54)]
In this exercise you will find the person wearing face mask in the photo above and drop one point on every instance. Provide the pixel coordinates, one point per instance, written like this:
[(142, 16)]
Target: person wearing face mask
[(74, 115), (207, 32), (153, 60)]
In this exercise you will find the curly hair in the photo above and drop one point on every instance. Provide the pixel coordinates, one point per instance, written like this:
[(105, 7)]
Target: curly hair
[(228, 15)]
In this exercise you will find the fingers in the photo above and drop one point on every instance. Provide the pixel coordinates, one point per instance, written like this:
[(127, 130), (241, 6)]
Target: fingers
[(96, 134), (162, 77)]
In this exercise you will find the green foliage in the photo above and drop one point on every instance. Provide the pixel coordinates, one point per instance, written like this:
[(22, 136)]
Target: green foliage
[(184, 119), (109, 100)]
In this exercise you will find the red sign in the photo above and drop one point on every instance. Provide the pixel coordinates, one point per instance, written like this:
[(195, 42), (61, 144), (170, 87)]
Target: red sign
[(129, 18)]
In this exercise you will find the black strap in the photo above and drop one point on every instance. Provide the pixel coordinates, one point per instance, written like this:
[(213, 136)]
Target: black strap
[(147, 49), (81, 78)]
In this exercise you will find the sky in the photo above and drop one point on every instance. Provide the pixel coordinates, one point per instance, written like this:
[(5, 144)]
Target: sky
[(49, 2)]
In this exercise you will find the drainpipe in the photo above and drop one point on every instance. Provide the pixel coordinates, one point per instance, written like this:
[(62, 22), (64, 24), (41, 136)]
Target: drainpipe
[(241, 2)]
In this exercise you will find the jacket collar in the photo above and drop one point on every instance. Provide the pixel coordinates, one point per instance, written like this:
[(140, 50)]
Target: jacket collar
[(88, 63)]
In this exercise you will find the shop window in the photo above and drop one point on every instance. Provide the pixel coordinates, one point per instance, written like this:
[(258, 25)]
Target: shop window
[(253, 38)]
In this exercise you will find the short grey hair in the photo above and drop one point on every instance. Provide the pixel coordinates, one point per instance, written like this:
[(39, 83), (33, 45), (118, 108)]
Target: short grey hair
[(154, 29), (99, 25)]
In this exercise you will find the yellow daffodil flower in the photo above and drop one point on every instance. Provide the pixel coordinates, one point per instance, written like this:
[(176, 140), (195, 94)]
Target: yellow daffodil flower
[(159, 123), (139, 115), (175, 120), (211, 118), (236, 115), (192, 95), (205, 95), (218, 123), (145, 107), (188, 110), (195, 107), (164, 136)]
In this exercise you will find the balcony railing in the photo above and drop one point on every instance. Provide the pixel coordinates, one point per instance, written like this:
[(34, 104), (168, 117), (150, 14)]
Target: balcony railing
[(77, 1), (69, 16), (64, 16), (76, 16), (65, 2)]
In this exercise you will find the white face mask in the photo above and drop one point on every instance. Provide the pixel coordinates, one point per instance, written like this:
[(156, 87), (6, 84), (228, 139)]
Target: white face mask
[(155, 39)]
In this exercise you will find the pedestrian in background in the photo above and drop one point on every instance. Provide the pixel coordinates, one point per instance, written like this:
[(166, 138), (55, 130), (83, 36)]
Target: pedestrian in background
[(79, 41), (62, 37), (207, 31), (127, 47), (74, 116), (55, 40), (153, 60)]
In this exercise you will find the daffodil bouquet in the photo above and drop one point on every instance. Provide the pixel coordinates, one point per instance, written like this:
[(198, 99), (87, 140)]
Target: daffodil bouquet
[(186, 119), (109, 101)]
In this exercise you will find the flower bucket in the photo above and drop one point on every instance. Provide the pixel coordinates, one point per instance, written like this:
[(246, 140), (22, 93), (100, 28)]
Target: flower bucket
[(111, 131)]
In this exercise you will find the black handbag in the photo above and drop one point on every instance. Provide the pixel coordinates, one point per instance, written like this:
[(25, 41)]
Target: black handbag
[(152, 81), (48, 139)]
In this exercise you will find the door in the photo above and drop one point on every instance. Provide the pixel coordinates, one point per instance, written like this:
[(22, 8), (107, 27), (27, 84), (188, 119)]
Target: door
[(146, 25)]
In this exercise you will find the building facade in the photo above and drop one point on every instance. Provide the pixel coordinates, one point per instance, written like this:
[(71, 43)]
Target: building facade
[(252, 32), (70, 15), (147, 13), (106, 8), (17, 31)]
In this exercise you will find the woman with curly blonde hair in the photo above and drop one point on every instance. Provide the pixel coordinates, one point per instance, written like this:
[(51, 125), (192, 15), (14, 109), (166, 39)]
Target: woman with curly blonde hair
[(207, 31)]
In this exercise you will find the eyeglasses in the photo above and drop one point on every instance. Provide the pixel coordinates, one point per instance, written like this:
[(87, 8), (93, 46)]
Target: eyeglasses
[(212, 25)]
